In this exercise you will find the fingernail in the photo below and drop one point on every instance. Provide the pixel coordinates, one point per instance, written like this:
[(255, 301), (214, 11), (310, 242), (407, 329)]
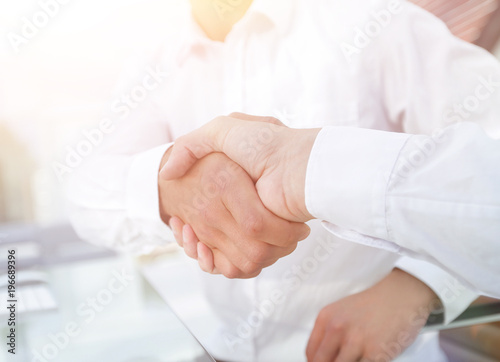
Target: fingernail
[(184, 232), (163, 174), (173, 226), (202, 259)]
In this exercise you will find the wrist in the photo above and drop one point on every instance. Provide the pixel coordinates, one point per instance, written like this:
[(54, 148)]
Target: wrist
[(423, 294), (302, 142)]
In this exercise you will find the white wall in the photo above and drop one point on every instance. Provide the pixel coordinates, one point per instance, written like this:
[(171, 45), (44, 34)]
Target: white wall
[(63, 77)]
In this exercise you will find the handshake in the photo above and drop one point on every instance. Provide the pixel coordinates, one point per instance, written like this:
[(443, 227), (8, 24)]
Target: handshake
[(233, 192)]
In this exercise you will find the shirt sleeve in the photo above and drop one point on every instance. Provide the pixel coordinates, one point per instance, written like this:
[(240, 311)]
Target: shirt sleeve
[(421, 80), (114, 202), (113, 193), (433, 198), (453, 295)]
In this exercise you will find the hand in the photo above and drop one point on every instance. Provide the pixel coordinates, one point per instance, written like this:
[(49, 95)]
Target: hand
[(219, 200), (376, 324), (274, 156)]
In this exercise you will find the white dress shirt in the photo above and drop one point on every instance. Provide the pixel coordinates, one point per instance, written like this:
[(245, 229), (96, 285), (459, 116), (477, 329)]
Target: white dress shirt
[(285, 58), (434, 195), (436, 199)]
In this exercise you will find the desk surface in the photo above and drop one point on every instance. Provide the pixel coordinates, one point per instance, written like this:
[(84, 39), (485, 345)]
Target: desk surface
[(105, 311)]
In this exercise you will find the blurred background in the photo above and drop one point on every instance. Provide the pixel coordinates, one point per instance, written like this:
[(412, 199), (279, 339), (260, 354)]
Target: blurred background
[(60, 82), (52, 87)]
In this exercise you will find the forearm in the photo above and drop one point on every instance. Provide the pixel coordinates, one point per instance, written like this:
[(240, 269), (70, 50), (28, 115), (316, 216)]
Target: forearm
[(450, 294), (441, 208)]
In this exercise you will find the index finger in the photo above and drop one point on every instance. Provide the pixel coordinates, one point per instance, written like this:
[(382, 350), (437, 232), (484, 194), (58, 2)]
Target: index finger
[(316, 338), (193, 146)]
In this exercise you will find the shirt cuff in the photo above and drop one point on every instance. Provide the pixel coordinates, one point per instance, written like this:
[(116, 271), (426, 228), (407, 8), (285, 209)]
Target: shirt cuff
[(454, 296), (143, 205), (347, 176)]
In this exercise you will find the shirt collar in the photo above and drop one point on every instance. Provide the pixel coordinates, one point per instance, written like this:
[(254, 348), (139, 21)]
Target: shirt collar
[(278, 12)]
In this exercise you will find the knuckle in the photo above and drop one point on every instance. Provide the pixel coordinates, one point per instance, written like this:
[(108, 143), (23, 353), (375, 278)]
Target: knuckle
[(253, 226), (324, 315), (296, 234), (269, 119), (336, 326), (290, 249), (259, 254), (251, 269), (212, 189), (255, 274), (222, 180), (231, 272)]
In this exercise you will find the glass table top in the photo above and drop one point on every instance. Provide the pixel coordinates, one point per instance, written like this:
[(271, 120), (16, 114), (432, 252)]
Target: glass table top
[(95, 310)]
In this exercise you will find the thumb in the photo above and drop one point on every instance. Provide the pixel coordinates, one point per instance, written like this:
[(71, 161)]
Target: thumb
[(265, 119), (195, 145)]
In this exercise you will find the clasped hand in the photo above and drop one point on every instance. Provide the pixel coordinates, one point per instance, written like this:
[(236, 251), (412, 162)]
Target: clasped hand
[(217, 216), (230, 213), (232, 192)]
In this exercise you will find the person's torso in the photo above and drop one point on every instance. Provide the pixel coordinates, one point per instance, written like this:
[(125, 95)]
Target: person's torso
[(305, 81)]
